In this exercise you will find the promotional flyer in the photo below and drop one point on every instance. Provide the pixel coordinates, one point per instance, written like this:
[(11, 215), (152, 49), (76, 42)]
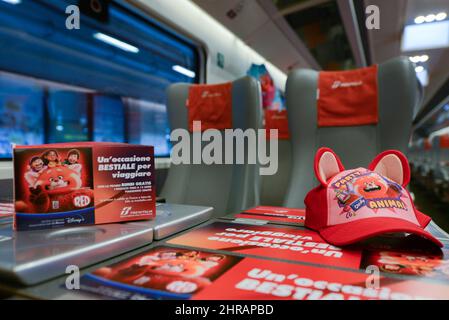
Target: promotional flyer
[(270, 241), (177, 273), (282, 215), (160, 273), (253, 279), (6, 209), (242, 150), (410, 263), (84, 183)]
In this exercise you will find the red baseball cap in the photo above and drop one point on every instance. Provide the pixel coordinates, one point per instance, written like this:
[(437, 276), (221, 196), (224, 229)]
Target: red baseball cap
[(352, 205)]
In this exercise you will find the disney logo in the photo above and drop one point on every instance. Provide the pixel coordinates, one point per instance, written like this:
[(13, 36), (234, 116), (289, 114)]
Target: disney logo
[(73, 220)]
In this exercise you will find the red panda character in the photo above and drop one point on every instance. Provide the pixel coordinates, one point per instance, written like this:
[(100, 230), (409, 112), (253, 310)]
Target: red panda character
[(374, 187), (407, 263), (174, 275), (59, 189)]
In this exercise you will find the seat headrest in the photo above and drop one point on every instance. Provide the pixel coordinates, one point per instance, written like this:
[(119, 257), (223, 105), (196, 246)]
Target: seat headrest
[(211, 104), (348, 98), (444, 141)]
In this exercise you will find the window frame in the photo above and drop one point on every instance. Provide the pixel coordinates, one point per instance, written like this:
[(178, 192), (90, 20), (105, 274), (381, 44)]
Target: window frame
[(142, 12), (165, 25)]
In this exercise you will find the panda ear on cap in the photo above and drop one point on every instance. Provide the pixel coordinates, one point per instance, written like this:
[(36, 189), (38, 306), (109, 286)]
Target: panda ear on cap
[(393, 165), (327, 165)]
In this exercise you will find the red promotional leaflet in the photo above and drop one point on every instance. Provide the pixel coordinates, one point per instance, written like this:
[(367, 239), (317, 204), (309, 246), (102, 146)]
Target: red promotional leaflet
[(409, 263), (82, 183), (6, 209), (270, 241), (275, 214), (253, 279), (159, 273)]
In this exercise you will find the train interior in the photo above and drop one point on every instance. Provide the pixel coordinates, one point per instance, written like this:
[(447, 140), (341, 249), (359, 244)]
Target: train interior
[(359, 77)]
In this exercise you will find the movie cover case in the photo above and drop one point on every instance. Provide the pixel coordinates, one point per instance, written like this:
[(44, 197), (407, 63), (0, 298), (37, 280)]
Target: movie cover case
[(61, 185)]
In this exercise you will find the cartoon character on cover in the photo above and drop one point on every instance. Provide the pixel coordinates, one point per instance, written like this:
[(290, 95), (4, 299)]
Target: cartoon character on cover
[(412, 264), (73, 156), (59, 189), (385, 178), (160, 270), (35, 168), (51, 158), (373, 186)]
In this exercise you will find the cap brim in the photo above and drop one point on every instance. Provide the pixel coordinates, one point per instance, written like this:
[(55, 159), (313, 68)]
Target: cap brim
[(355, 231)]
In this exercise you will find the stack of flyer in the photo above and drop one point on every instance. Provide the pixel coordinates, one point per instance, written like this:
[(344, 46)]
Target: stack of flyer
[(242, 261)]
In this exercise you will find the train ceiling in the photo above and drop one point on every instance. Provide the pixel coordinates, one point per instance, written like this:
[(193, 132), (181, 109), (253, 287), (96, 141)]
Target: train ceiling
[(325, 34)]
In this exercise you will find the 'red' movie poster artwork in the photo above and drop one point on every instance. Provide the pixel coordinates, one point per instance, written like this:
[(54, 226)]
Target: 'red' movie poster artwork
[(254, 279), (53, 182), (407, 256), (160, 273), (428, 265)]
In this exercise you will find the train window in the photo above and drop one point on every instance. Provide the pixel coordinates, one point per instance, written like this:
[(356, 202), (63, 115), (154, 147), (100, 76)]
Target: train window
[(21, 112), (108, 115), (67, 114), (321, 28), (149, 120), (128, 57)]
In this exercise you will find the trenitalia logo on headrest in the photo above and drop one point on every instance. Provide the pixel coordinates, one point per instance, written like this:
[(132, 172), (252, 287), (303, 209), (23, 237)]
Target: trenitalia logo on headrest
[(229, 146), (207, 94), (339, 84)]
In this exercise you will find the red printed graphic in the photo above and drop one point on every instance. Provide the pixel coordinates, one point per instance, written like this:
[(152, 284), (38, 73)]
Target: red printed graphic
[(127, 191), (424, 264), (161, 272), (358, 194), (53, 180), (275, 214), (253, 279), (84, 183), (270, 241)]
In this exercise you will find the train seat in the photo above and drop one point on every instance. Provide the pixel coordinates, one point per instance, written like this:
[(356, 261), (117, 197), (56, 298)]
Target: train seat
[(275, 186), (441, 160), (226, 187), (417, 160), (412, 155), (425, 162), (398, 95)]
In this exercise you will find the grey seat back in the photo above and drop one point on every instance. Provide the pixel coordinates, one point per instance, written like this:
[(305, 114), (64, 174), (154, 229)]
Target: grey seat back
[(398, 98), (440, 159), (434, 154), (443, 163), (426, 158), (226, 187), (420, 157), (274, 187)]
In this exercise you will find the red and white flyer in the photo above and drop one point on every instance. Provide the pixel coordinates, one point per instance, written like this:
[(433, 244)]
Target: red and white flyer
[(159, 273), (275, 214), (277, 242), (253, 279), (6, 209)]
